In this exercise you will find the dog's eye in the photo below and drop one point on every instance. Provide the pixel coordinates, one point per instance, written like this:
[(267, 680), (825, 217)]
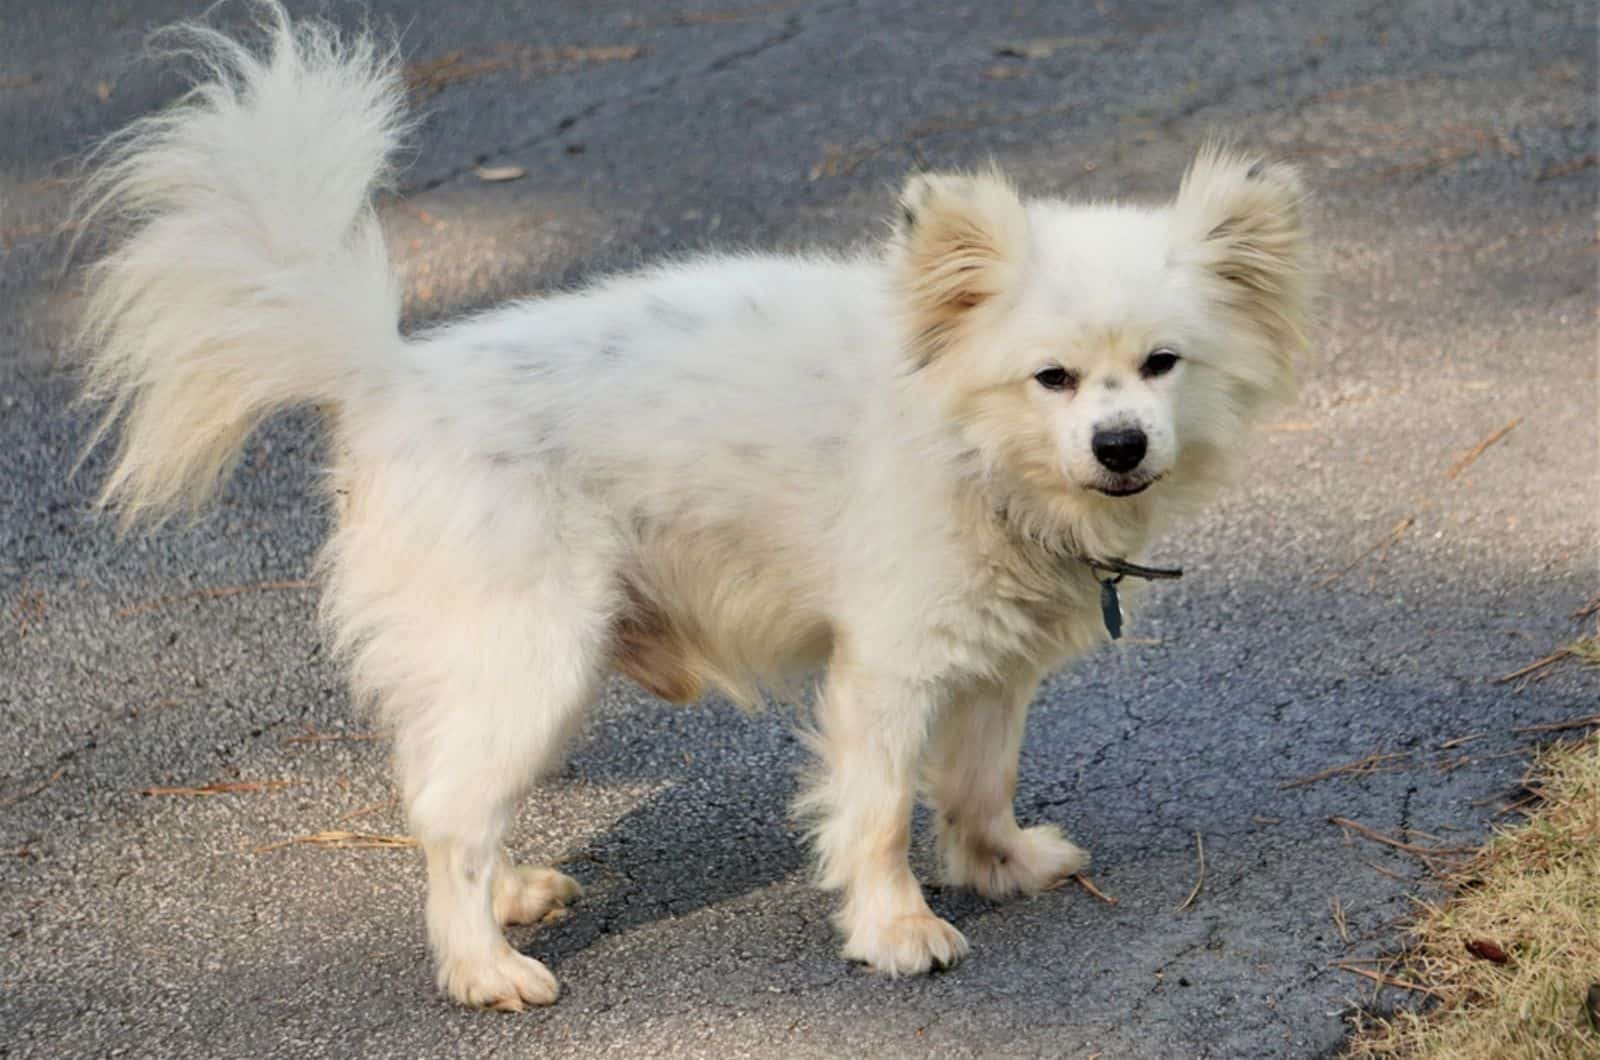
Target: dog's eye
[(1160, 362), (1055, 378)]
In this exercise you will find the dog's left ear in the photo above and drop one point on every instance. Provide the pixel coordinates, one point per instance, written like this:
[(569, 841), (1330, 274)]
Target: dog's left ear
[(958, 249), (1241, 221)]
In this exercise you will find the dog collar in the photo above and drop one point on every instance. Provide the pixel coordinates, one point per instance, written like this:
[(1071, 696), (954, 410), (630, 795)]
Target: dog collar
[(1110, 602)]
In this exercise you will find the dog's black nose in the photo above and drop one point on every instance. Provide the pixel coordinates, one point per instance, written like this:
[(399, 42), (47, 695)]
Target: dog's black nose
[(1120, 448)]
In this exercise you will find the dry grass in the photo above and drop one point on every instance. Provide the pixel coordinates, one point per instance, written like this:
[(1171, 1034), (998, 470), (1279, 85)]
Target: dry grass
[(220, 787), (1514, 955), (1478, 450), (426, 78), (1395, 533), (28, 793), (343, 839), (1361, 767), (1584, 650), (1088, 885), (1200, 878)]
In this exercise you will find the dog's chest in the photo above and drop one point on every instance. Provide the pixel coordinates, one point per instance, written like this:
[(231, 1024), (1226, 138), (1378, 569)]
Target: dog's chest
[(1043, 611)]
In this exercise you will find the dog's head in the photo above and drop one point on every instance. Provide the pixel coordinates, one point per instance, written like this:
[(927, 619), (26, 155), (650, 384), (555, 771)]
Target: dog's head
[(1104, 356)]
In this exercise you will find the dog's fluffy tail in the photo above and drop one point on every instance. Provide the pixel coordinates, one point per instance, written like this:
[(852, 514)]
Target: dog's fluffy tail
[(249, 272)]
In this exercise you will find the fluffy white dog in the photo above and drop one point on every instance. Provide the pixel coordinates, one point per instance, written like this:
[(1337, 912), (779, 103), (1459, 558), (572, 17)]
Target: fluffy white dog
[(914, 465)]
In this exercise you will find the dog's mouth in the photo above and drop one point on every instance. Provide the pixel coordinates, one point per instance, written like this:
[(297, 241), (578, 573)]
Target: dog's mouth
[(1124, 488)]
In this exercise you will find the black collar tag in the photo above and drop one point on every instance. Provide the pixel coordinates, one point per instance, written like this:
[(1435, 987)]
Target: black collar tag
[(1110, 601), (1111, 607)]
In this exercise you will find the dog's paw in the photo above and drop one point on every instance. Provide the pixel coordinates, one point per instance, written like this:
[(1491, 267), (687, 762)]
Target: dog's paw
[(907, 945), (506, 981), (1031, 860), (525, 894)]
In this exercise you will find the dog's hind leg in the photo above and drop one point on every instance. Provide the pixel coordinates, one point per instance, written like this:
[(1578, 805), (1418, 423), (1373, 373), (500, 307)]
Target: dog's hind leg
[(971, 779), (520, 673), (872, 732)]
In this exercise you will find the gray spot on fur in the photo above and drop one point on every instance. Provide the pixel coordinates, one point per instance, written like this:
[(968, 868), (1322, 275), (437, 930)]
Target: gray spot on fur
[(612, 347), (676, 317)]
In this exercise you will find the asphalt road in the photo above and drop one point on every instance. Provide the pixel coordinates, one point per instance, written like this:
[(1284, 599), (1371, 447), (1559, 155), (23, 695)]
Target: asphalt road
[(1452, 149)]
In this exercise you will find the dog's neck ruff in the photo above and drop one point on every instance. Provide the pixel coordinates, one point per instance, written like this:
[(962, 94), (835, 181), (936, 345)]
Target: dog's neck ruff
[(1066, 556)]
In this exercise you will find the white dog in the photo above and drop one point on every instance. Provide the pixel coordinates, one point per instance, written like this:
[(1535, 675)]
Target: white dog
[(914, 465)]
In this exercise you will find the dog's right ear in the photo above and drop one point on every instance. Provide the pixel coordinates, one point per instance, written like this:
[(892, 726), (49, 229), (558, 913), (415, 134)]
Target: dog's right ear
[(958, 249), (1242, 222)]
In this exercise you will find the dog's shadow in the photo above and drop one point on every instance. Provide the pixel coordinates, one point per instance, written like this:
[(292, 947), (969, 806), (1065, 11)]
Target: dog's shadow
[(717, 827)]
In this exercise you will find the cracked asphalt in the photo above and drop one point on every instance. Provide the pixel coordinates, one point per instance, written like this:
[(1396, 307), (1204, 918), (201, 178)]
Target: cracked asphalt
[(1350, 596)]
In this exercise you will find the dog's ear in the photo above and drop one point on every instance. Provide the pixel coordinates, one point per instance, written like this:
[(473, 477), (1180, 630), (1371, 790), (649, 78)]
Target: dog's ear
[(1241, 221), (958, 249)]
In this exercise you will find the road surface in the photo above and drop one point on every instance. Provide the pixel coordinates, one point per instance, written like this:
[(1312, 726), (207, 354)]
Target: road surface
[(1355, 595)]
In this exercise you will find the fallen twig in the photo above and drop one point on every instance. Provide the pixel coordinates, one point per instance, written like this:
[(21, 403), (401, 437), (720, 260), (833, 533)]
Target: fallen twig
[(1427, 854), (1394, 534), (21, 796), (1088, 885), (1360, 767), (339, 839), (313, 736), (693, 18), (1478, 450), (1450, 765), (221, 787), (1336, 911), (1380, 870), (213, 594), (428, 77), (1517, 806), (1200, 850), (1559, 726), (362, 811), (1385, 979), (1459, 740), (1538, 664), (1567, 168), (1589, 608)]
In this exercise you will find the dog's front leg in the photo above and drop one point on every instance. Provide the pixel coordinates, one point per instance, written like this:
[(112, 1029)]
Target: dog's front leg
[(971, 780), (871, 742)]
